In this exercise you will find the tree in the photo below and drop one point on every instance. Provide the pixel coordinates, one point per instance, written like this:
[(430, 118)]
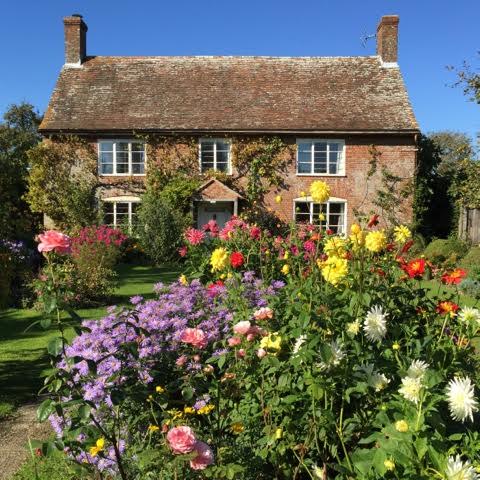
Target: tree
[(18, 133), (469, 79)]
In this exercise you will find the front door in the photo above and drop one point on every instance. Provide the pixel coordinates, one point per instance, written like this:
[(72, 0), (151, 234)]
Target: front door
[(221, 212)]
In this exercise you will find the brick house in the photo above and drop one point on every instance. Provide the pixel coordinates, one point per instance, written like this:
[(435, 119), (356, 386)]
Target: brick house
[(329, 110)]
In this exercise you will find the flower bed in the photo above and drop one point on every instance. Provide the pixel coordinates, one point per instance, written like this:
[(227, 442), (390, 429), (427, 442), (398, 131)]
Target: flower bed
[(303, 356)]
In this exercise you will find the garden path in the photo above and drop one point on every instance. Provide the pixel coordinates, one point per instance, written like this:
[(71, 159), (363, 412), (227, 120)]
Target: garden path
[(14, 435)]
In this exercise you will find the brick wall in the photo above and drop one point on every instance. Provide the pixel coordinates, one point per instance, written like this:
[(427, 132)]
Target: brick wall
[(398, 153)]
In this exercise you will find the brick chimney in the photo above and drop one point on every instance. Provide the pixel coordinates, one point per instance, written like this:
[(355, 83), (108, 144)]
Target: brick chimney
[(75, 39), (387, 38)]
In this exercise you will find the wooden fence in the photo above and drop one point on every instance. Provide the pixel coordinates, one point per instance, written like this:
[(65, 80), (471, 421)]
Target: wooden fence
[(469, 225)]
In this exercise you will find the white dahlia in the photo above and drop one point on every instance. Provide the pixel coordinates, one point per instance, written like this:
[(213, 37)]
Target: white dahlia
[(298, 343), (378, 381), (411, 389), (375, 324), (458, 470), (470, 316), (461, 399), (417, 369)]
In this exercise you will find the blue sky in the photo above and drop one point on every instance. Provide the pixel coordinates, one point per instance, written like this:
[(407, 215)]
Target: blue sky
[(433, 34)]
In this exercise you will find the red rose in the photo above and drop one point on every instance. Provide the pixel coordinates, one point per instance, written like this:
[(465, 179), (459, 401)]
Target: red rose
[(236, 259)]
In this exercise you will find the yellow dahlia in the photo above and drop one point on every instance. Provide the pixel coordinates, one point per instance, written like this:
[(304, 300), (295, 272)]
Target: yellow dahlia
[(319, 191), (334, 270), (219, 259), (335, 246), (401, 234), (376, 241)]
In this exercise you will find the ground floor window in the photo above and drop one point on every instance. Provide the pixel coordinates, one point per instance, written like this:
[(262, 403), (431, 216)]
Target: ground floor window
[(330, 215), (120, 214)]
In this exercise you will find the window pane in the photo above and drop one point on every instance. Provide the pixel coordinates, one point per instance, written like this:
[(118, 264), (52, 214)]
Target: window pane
[(302, 212), (138, 147), (304, 147), (122, 147), (222, 167), (222, 157), (333, 165), (106, 168), (122, 208), (108, 213), (334, 147), (138, 157), (320, 146), (320, 162), (222, 145), (138, 168), (106, 146), (122, 168)]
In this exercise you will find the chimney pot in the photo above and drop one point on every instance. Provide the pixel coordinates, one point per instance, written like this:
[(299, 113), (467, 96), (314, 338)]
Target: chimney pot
[(387, 38), (75, 39)]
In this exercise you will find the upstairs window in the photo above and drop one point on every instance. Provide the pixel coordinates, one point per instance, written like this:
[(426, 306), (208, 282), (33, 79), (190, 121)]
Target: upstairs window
[(215, 155), (121, 157), (331, 215), (120, 213), (320, 157)]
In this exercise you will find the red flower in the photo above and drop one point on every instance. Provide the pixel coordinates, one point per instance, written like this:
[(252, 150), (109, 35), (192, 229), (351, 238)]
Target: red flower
[(182, 251), (236, 259), (194, 236), (373, 221), (415, 268), (255, 233), (454, 277), (447, 308), (407, 246)]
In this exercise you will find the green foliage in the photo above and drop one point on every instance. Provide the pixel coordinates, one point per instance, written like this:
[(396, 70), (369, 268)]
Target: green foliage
[(18, 133), (159, 229), (447, 252), (469, 80), (62, 182), (471, 262)]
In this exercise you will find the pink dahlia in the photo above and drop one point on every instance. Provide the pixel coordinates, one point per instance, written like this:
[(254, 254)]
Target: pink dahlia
[(204, 456), (194, 236)]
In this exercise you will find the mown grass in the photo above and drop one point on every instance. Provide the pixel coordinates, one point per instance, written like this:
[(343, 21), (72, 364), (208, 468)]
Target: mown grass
[(23, 352)]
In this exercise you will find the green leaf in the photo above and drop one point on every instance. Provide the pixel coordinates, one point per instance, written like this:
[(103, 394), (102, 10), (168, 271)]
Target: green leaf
[(46, 408), (117, 396), (84, 411), (46, 322), (55, 346)]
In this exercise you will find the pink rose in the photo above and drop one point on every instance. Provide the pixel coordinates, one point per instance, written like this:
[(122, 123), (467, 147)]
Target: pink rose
[(204, 457), (263, 313), (52, 240), (253, 332), (195, 337), (181, 440), (234, 341), (261, 353), (241, 328)]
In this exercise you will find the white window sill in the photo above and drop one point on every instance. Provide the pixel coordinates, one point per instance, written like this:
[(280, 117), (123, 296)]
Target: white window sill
[(321, 174), (122, 174)]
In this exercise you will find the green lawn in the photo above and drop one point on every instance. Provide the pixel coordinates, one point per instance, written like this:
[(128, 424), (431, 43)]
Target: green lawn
[(23, 354)]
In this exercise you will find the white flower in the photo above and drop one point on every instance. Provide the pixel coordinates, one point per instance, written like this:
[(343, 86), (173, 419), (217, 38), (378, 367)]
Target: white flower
[(378, 381), (337, 356), (353, 328), (317, 472), (375, 324), (461, 399), (417, 369), (411, 388), (470, 316), (298, 343), (458, 470)]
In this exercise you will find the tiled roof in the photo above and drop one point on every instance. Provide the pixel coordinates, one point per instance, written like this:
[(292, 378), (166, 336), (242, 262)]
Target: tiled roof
[(230, 94)]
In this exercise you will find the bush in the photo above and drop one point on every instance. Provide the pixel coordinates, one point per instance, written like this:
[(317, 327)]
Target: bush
[(331, 360), (159, 229), (446, 251), (471, 263)]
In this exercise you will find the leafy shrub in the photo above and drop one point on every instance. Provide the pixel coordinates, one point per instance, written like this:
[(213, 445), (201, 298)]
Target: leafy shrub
[(446, 251), (159, 229), (330, 361), (471, 262)]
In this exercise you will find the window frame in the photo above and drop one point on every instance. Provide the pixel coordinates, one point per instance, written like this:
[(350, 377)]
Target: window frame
[(341, 171), (215, 140), (114, 157), (114, 201), (327, 203)]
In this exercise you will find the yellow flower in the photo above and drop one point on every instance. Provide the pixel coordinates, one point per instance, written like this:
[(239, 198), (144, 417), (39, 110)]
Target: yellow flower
[(401, 426), (219, 259), (278, 434), (285, 269), (278, 199), (187, 410), (396, 346), (335, 246), (321, 216), (99, 446), (183, 280), (237, 427), (272, 341), (206, 409), (353, 328), (355, 229), (401, 233), (319, 191), (150, 398), (303, 194), (389, 464), (153, 428), (376, 241), (357, 237), (286, 255), (176, 414), (159, 389), (334, 270)]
